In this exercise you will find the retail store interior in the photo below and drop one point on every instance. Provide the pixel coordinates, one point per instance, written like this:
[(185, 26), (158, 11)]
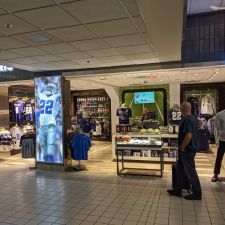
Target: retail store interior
[(101, 99)]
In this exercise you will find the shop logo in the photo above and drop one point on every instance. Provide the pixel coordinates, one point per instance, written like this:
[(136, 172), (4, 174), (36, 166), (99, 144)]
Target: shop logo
[(6, 68)]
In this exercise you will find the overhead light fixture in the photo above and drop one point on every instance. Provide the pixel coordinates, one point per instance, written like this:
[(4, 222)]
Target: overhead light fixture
[(38, 38), (102, 78), (196, 74)]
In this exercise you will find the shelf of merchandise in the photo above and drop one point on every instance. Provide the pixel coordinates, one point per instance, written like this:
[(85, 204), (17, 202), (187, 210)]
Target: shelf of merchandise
[(165, 150), (121, 147)]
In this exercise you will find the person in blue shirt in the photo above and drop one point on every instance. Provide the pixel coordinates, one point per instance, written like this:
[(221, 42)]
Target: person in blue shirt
[(188, 146)]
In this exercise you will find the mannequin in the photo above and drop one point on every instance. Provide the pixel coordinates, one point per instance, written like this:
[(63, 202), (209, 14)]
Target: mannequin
[(124, 113), (219, 132), (175, 115)]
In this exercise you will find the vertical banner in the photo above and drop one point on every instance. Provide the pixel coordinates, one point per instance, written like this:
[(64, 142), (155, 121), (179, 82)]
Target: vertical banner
[(49, 119)]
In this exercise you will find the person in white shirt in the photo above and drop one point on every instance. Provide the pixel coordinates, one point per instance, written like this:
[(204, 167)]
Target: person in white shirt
[(219, 133)]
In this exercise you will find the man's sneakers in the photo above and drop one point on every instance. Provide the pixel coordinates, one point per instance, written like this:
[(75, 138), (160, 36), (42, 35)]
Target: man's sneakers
[(178, 193), (173, 192), (193, 197), (215, 178)]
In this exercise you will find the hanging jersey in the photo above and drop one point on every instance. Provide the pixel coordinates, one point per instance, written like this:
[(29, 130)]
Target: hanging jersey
[(208, 105), (17, 109), (49, 109), (28, 111), (175, 116)]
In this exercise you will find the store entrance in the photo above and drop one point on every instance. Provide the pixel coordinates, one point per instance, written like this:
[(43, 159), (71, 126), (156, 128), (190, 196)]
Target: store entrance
[(91, 112)]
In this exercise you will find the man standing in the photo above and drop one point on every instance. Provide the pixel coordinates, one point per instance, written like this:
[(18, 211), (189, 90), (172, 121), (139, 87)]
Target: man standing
[(219, 132), (188, 145)]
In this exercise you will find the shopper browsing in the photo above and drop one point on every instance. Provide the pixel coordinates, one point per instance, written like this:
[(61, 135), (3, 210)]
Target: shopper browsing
[(188, 146), (219, 132)]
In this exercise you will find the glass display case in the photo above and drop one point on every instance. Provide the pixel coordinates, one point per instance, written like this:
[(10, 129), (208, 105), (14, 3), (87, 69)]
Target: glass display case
[(139, 147)]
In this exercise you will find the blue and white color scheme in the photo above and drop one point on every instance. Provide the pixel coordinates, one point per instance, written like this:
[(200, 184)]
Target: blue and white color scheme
[(144, 97), (48, 112)]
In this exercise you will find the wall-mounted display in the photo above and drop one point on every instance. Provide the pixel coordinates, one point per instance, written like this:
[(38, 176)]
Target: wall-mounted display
[(144, 97)]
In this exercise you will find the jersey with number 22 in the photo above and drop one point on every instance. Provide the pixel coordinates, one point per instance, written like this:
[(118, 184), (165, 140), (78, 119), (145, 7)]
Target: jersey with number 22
[(49, 108)]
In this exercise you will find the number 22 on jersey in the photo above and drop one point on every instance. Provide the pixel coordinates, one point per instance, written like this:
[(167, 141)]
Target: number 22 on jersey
[(176, 116), (46, 106)]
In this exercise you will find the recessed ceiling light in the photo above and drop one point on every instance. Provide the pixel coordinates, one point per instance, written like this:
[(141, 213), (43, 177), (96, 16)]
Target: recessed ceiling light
[(196, 74), (38, 38), (8, 25), (102, 78)]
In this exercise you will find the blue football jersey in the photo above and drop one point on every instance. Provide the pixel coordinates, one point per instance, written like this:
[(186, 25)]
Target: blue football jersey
[(49, 108), (28, 111), (17, 111)]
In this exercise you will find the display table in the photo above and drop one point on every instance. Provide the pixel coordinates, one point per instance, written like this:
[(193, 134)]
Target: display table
[(140, 148), (145, 148)]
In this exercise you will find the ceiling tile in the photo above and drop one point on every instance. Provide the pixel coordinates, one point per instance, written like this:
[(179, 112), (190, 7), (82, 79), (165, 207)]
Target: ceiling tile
[(24, 60), (90, 44), (113, 28), (90, 11), (64, 63), (103, 52), (125, 40), (134, 49), (18, 25), (48, 58), (88, 62), (47, 18), (74, 33), (8, 43), (131, 6), (74, 55), (8, 55), (58, 48), (145, 55), (140, 23), (29, 51), (109, 59), (42, 66), (36, 38), (16, 5), (2, 12)]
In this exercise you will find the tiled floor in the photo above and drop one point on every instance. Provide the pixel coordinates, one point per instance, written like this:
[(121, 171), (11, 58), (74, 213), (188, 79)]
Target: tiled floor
[(99, 196)]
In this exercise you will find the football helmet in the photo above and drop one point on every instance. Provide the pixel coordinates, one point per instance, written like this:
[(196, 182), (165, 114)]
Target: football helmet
[(51, 89)]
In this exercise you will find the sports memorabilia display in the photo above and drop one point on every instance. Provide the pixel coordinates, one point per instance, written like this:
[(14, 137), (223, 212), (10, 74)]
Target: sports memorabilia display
[(48, 113)]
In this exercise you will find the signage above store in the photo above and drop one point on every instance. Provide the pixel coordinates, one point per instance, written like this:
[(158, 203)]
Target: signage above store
[(6, 68)]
